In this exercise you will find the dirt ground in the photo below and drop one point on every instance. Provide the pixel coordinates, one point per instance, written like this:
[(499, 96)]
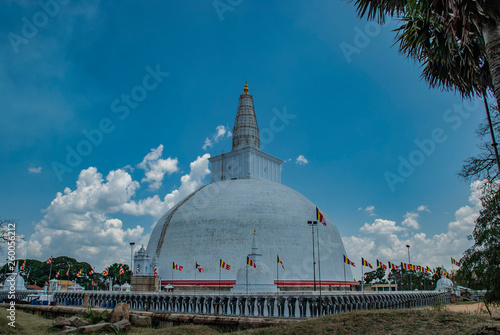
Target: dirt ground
[(476, 308)]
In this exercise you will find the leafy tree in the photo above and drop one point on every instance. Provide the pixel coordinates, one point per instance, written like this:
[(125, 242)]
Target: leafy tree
[(481, 262), (114, 271), (482, 166), (456, 41), (8, 232), (378, 274), (419, 280), (460, 32)]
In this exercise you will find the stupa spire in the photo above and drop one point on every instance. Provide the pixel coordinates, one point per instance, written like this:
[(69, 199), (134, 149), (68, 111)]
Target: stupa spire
[(246, 129)]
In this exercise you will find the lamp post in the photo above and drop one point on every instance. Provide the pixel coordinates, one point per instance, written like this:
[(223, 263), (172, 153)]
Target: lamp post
[(313, 223), (131, 253), (409, 262)]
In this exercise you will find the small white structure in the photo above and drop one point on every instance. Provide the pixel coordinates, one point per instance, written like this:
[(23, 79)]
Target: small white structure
[(14, 282), (126, 287), (116, 287), (75, 287), (144, 263), (54, 285), (258, 279), (444, 285)]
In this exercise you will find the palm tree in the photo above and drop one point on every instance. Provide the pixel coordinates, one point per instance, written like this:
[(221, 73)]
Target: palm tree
[(454, 54), (466, 21), (447, 63)]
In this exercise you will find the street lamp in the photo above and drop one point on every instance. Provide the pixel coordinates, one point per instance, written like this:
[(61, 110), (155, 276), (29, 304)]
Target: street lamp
[(131, 252), (313, 223), (409, 263)]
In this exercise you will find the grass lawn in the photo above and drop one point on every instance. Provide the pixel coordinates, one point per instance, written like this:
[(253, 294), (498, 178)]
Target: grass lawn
[(422, 321)]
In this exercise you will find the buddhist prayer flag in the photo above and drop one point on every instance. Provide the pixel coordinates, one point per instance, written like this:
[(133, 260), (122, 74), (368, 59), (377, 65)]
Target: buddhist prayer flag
[(93, 283), (453, 261), (104, 273), (156, 271), (92, 271), (57, 274), (177, 266), (22, 266), (79, 273), (320, 217), (381, 265), (67, 273), (137, 270), (49, 260), (121, 271), (28, 275), (391, 265), (348, 261), (198, 266), (280, 262), (251, 262), (224, 265), (365, 263)]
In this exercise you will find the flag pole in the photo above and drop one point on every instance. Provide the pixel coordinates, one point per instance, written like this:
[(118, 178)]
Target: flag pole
[(319, 269), (345, 280), (362, 279), (219, 275), (277, 275), (50, 271), (194, 284)]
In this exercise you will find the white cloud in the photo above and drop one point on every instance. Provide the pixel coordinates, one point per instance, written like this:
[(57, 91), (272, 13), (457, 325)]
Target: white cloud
[(33, 169), (77, 222), (220, 131), (381, 227), (369, 209), (410, 220), (156, 167), (301, 160), (422, 208), (155, 207), (386, 241), (82, 222)]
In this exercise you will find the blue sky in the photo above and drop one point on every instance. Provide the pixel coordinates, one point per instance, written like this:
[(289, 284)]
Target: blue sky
[(356, 110)]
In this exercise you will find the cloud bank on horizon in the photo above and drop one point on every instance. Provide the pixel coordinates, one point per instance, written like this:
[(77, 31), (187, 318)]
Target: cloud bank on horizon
[(386, 240)]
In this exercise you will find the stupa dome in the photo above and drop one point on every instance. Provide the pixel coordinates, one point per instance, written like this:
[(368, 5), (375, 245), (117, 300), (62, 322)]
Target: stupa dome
[(217, 222), (245, 194)]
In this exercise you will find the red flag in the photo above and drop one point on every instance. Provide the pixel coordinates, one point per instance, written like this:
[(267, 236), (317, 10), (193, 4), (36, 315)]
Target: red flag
[(121, 271), (22, 266), (49, 260), (320, 217), (280, 262), (348, 261), (224, 265), (198, 266), (156, 271), (251, 262), (365, 263)]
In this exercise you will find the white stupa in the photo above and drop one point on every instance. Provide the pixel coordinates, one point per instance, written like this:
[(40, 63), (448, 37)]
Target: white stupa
[(258, 278), (15, 280), (245, 193)]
